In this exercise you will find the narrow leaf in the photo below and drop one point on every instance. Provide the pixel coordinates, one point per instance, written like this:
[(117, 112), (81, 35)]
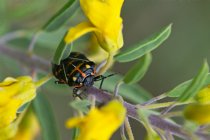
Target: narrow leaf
[(140, 49), (61, 16), (81, 105), (178, 90), (60, 51), (134, 92), (46, 118), (196, 84), (75, 133), (136, 73), (23, 107)]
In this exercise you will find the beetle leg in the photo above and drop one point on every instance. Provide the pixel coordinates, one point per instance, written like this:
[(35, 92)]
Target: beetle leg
[(101, 77), (75, 93)]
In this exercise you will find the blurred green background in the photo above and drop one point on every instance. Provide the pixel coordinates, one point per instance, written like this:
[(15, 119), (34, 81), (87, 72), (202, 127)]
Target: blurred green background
[(175, 61)]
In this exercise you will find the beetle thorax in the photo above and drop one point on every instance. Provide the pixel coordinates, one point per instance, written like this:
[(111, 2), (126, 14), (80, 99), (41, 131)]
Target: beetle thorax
[(89, 80)]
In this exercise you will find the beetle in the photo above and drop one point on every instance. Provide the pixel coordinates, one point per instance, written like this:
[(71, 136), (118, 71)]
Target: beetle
[(76, 71)]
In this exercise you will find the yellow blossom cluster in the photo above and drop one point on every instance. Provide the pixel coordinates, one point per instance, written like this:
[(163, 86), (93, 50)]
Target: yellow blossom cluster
[(14, 93), (99, 124), (199, 112)]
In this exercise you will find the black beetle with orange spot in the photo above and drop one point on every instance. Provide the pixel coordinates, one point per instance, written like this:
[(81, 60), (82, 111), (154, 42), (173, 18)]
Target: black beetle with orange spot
[(76, 71)]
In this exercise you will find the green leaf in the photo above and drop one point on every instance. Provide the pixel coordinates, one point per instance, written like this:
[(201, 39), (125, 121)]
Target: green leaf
[(178, 90), (81, 105), (61, 16), (196, 84), (23, 107), (75, 133), (140, 49), (133, 93), (136, 73), (46, 118), (60, 51), (50, 40)]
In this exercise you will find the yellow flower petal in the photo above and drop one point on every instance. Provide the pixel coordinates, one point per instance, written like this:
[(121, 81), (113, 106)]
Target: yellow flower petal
[(8, 132), (101, 123), (204, 95), (7, 89), (102, 12), (104, 20), (105, 15), (8, 81), (198, 113), (73, 122), (28, 129), (13, 94), (8, 112), (120, 39), (115, 108), (79, 30), (95, 52)]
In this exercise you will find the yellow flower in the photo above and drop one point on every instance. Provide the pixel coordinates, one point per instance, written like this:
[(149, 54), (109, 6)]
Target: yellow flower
[(104, 21), (8, 131), (28, 128), (101, 123), (13, 94), (203, 96), (94, 52), (199, 113)]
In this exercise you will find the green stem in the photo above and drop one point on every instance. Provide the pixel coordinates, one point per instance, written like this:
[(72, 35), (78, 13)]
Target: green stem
[(116, 89), (128, 129), (12, 35), (162, 105), (93, 101), (122, 132), (43, 80), (75, 133), (108, 64), (165, 111), (151, 133), (157, 98), (79, 112), (33, 41), (172, 114)]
